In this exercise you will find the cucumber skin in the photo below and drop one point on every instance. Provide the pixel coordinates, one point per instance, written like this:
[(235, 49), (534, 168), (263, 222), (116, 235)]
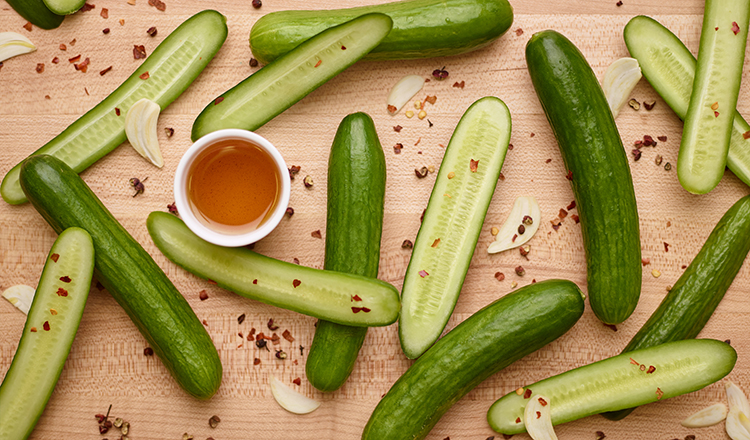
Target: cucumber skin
[(64, 7), (592, 150), (54, 360), (242, 108), (37, 13), (517, 324), (131, 276), (738, 159), (356, 195), (421, 28), (595, 380), (687, 308), (215, 34)]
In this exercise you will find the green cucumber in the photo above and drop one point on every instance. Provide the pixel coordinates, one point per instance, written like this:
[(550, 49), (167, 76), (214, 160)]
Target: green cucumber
[(356, 193), (172, 67), (623, 381), (696, 294), (48, 334), (597, 169), (278, 86), (129, 273), (64, 7), (37, 13), (320, 293), (708, 123), (670, 68), (452, 223), (421, 28), (517, 324)]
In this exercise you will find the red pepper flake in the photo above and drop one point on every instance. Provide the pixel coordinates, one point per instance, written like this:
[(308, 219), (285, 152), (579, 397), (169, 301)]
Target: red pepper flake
[(716, 28), (203, 295), (318, 63), (651, 369), (316, 234), (666, 247), (548, 161), (715, 106), (563, 213), (148, 351), (648, 141), (519, 32), (144, 76), (514, 238), (103, 72), (659, 394), (275, 339), (423, 273), (256, 361), (45, 326), (636, 155), (746, 135), (538, 414), (619, 3), (255, 281), (152, 31), (65, 279), (649, 105), (296, 283), (642, 367), (117, 111), (86, 89), (87, 7), (218, 100), (572, 205), (75, 59), (297, 381), (33, 329), (611, 327), (84, 65), (569, 176), (542, 401), (510, 147), (499, 276), (139, 52), (716, 114), (527, 393), (343, 47), (54, 257), (645, 261), (104, 13), (105, 31), (634, 362), (459, 85), (436, 243), (288, 336), (473, 165), (418, 141), (397, 128), (355, 298), (575, 218), (55, 60), (241, 319), (518, 420), (735, 28), (40, 68), (72, 42), (662, 138), (398, 147), (158, 4), (257, 4), (271, 325)]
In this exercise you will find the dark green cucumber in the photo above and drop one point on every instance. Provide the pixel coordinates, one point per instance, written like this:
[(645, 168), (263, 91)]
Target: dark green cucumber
[(48, 334), (597, 169), (64, 7), (421, 28), (129, 273), (172, 67), (623, 381), (696, 294), (670, 68), (278, 86), (356, 193), (323, 294), (37, 13), (517, 324), (452, 223)]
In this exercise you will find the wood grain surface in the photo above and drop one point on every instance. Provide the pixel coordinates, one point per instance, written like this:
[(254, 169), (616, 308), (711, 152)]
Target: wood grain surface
[(107, 365)]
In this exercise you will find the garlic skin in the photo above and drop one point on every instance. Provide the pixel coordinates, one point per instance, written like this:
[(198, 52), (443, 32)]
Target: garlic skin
[(538, 420), (290, 399), (21, 296), (708, 416), (403, 91), (140, 128), (522, 207), (13, 44), (619, 81)]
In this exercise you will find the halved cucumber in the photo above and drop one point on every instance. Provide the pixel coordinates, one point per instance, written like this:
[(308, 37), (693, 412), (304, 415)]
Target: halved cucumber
[(48, 334), (279, 85), (171, 68), (670, 69), (323, 294), (624, 381), (64, 7), (452, 222), (708, 124), (36, 12)]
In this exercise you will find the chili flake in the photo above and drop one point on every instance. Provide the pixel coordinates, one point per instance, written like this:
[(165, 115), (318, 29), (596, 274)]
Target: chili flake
[(634, 362), (563, 213), (218, 100), (318, 63), (423, 273), (575, 218), (241, 319), (436, 243), (288, 336), (65, 279), (256, 361), (297, 381), (538, 414), (666, 247), (103, 72), (144, 76), (33, 329), (117, 111), (152, 31), (40, 68), (735, 28), (473, 165), (649, 105), (542, 401), (527, 393), (499, 276), (611, 327), (139, 52), (518, 420), (398, 147), (75, 59), (45, 326), (296, 283), (397, 128), (716, 114), (569, 176), (316, 234), (636, 155), (651, 369), (203, 295), (659, 394), (28, 26), (158, 4), (104, 13), (459, 85), (271, 325)]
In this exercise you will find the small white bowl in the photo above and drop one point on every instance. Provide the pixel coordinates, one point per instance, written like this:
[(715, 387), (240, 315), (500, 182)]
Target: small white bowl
[(184, 205)]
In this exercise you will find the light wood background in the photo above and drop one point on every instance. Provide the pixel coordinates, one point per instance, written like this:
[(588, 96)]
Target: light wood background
[(107, 366)]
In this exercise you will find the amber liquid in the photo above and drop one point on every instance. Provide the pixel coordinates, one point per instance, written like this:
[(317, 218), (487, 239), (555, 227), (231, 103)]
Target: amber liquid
[(233, 186)]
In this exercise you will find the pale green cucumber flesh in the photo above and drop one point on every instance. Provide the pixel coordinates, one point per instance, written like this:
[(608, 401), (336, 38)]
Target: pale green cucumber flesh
[(670, 69), (708, 123), (41, 353), (64, 7), (323, 294), (621, 382), (454, 216), (279, 85), (172, 67)]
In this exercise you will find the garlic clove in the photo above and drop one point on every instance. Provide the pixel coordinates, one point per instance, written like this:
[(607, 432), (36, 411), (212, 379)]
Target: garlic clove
[(736, 397), (619, 81), (290, 399), (708, 416), (734, 426), (13, 44), (403, 91), (140, 128), (508, 236), (21, 296), (538, 420)]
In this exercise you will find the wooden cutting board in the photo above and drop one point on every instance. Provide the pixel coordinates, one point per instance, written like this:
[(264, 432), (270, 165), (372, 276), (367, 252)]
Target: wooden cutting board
[(107, 365)]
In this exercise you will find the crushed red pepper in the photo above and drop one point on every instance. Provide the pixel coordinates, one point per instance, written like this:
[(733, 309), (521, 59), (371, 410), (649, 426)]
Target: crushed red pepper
[(666, 247), (360, 309), (746, 135), (316, 234), (318, 63), (144, 76), (423, 273), (104, 13), (576, 218), (297, 381), (436, 243), (473, 165), (152, 31), (218, 100), (398, 147), (527, 393), (611, 327), (662, 138), (55, 257), (148, 351), (287, 335), (735, 28), (40, 68), (87, 7), (651, 369), (241, 319), (569, 176), (659, 393), (499, 276), (32, 329), (45, 326), (203, 295), (397, 128), (103, 72), (296, 283), (65, 279), (75, 59), (255, 281), (271, 326), (256, 361), (355, 298), (28, 26), (158, 4), (139, 52), (571, 206)]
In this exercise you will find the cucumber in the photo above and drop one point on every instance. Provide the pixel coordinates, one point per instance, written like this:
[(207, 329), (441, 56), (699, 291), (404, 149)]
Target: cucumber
[(421, 28), (129, 273), (696, 294), (670, 68), (488, 341), (356, 193), (278, 86), (172, 67), (64, 7), (708, 123), (597, 168), (36, 12), (618, 382), (320, 293), (452, 223), (48, 334)]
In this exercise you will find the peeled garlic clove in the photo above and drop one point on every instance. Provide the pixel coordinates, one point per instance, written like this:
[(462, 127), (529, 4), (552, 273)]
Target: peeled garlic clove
[(619, 81), (524, 208), (403, 91), (140, 127), (20, 296), (537, 419), (735, 428), (290, 399), (736, 397), (12, 44), (708, 416)]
